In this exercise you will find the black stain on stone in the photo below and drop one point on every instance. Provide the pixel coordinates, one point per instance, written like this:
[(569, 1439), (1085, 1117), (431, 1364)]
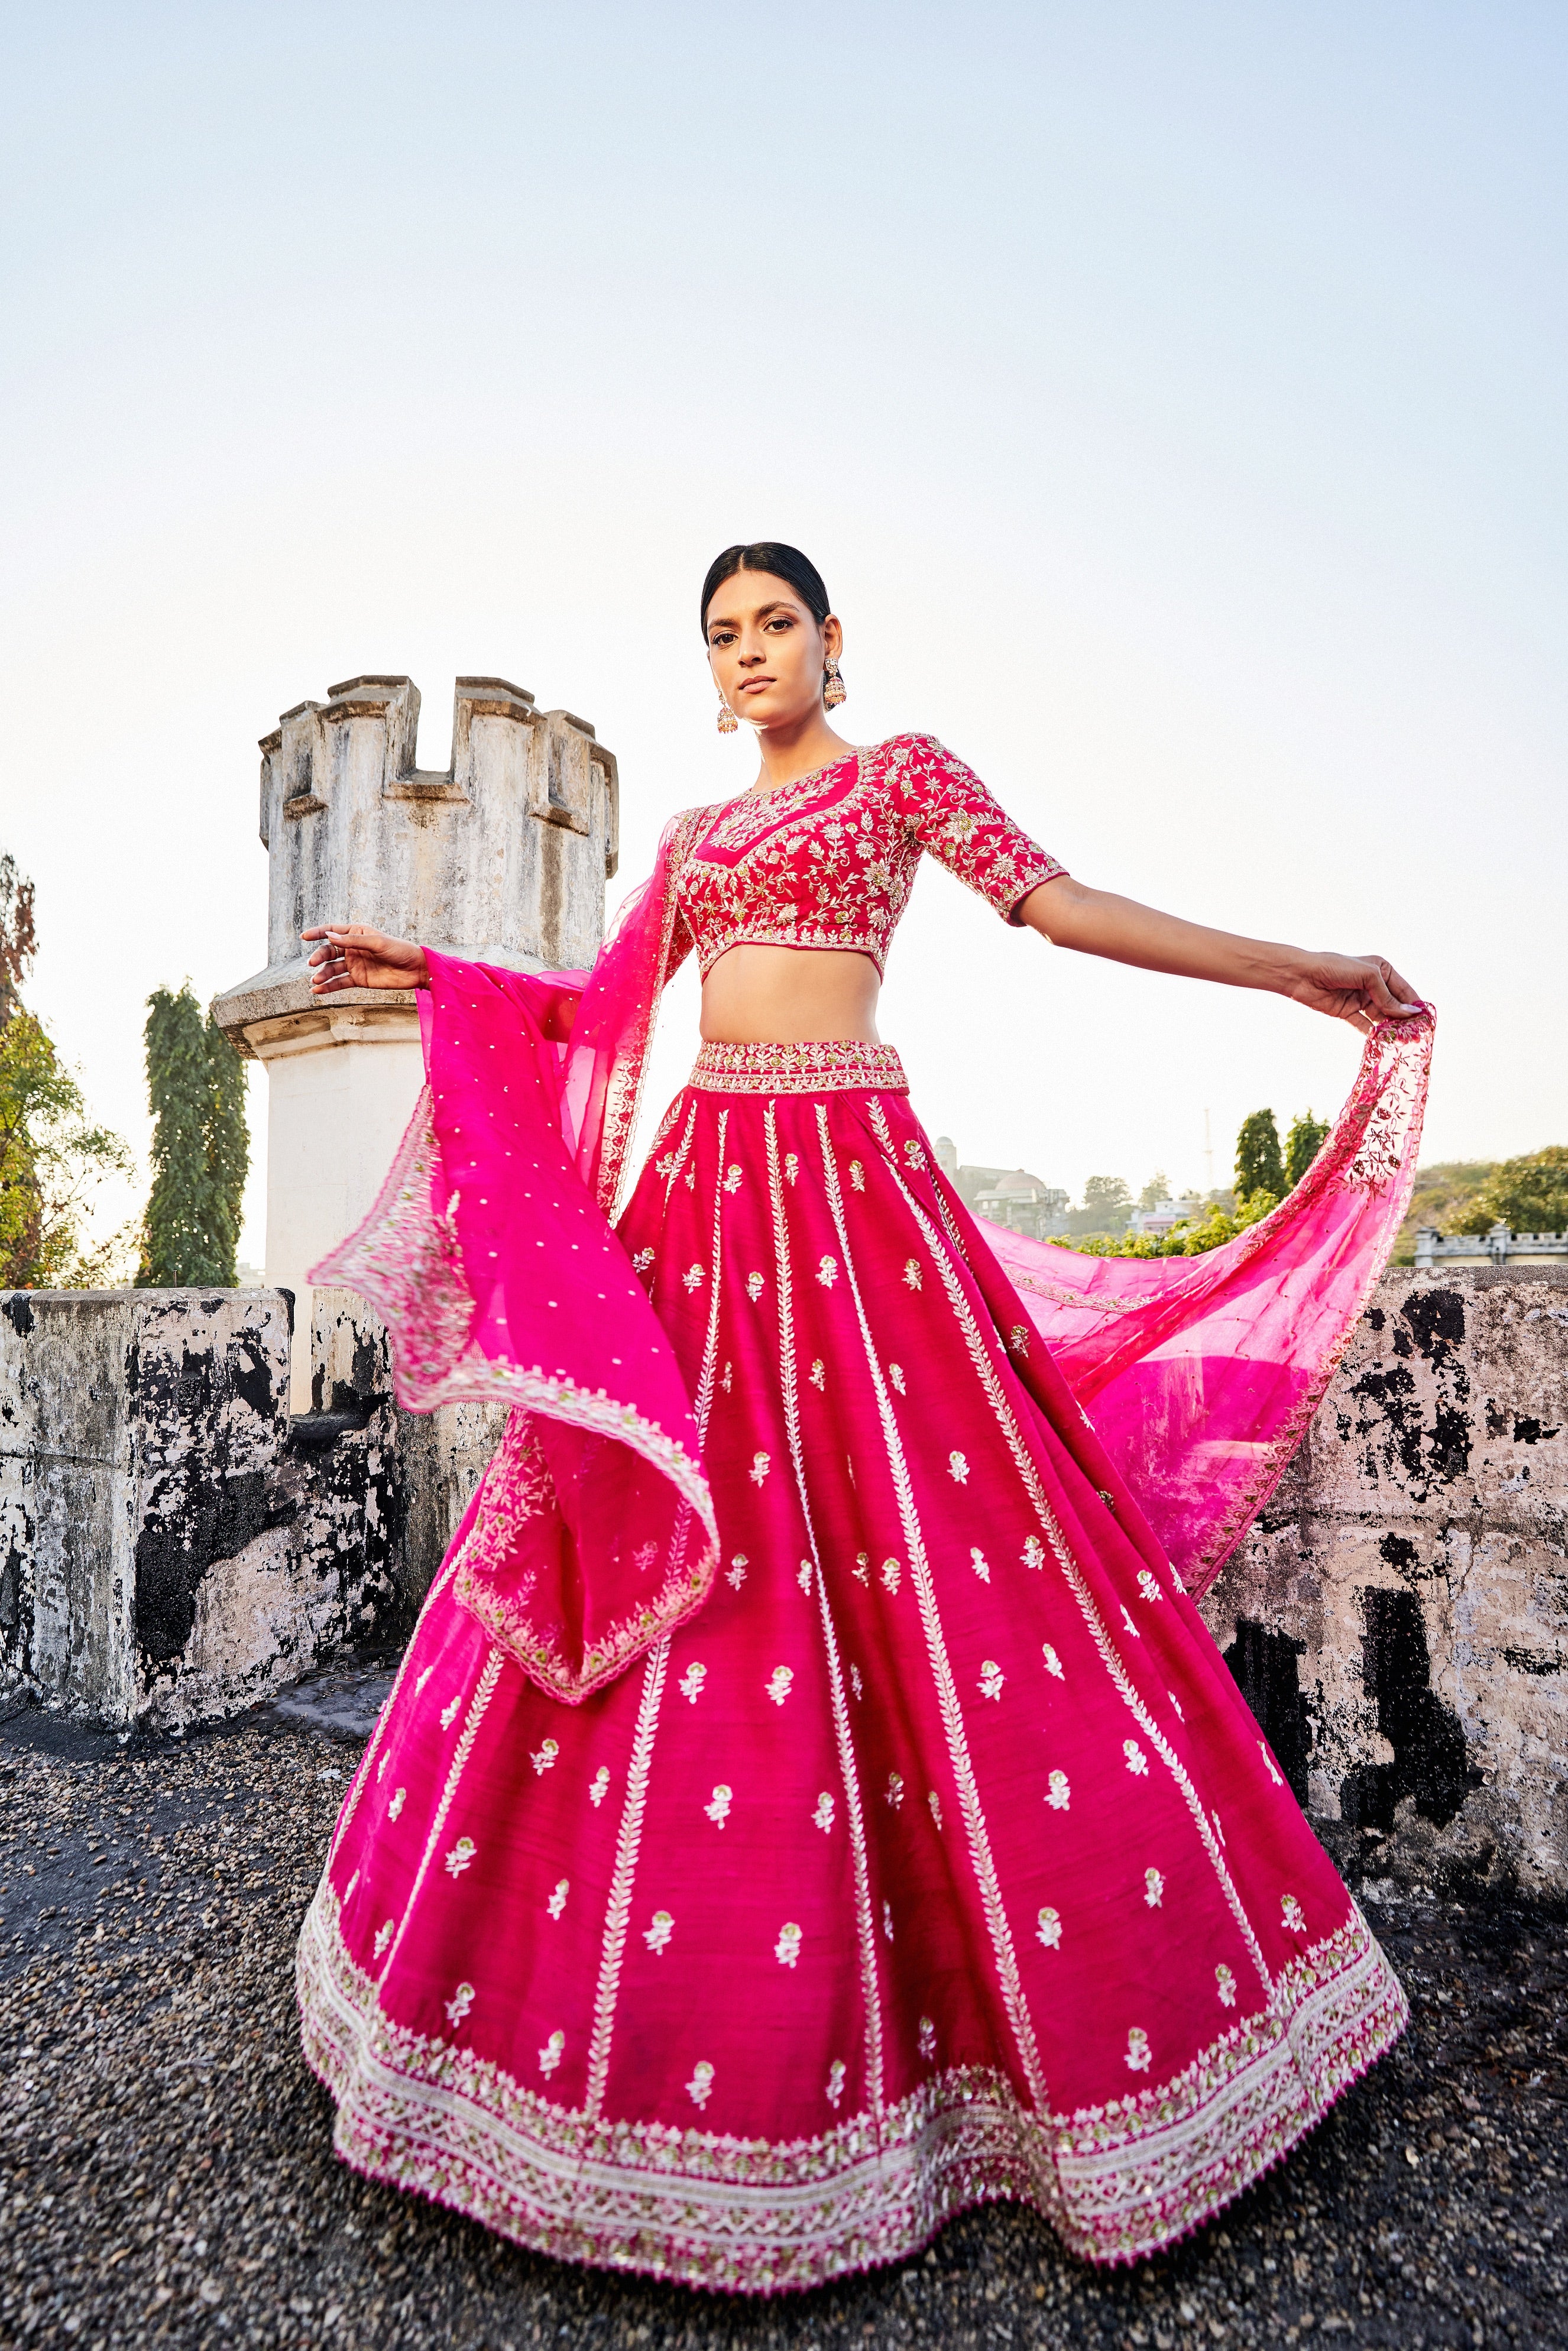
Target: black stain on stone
[(1497, 1420), (1399, 1551), (1527, 1431), (17, 1307), (1429, 1765), (1437, 1319), (1263, 1665), (1533, 1661), (1375, 1317), (205, 1519)]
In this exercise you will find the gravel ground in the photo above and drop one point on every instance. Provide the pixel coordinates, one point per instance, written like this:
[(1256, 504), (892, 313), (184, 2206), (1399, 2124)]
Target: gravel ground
[(166, 2174)]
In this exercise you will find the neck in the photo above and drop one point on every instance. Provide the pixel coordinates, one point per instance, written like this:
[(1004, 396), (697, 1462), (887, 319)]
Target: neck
[(797, 748)]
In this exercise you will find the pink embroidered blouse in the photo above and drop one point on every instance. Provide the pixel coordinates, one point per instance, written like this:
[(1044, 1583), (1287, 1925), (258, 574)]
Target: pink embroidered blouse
[(829, 859)]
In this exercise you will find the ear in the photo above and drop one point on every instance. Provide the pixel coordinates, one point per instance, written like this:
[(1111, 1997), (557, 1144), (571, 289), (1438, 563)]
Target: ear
[(832, 637)]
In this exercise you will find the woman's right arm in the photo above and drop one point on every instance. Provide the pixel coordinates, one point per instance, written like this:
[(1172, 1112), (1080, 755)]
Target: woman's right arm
[(351, 954)]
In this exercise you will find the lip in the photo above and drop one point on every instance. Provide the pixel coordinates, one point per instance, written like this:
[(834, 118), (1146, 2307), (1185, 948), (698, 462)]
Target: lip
[(755, 684)]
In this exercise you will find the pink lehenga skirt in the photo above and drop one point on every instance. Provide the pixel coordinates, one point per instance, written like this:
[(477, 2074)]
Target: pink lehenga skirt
[(937, 1858)]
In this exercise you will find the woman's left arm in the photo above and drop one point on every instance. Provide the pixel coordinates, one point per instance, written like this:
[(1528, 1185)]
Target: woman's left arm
[(1362, 989)]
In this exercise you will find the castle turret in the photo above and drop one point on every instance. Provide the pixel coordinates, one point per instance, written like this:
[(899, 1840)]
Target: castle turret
[(503, 858)]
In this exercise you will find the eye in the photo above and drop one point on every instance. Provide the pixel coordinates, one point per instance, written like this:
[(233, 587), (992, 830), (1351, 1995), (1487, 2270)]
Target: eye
[(780, 620), (721, 637)]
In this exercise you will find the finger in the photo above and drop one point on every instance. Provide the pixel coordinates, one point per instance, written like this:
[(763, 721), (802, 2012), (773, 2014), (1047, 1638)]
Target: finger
[(1381, 986)]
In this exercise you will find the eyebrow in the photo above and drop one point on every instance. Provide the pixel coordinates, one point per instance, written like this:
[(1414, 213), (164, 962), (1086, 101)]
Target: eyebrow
[(726, 620)]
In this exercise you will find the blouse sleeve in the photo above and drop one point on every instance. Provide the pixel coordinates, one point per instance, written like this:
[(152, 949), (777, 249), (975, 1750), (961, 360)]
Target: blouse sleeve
[(950, 812)]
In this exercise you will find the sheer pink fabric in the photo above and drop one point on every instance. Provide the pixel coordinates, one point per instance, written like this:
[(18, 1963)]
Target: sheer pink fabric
[(1200, 1374)]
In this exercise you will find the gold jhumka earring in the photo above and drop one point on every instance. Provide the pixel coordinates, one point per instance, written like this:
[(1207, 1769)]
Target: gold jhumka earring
[(834, 691), (727, 721)]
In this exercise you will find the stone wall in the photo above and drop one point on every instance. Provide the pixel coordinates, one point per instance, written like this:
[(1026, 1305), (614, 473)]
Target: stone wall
[(174, 1544), (1398, 1618)]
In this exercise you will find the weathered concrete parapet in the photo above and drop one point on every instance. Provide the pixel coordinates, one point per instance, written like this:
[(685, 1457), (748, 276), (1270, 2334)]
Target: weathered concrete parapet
[(1399, 1617), (502, 859), (174, 1544)]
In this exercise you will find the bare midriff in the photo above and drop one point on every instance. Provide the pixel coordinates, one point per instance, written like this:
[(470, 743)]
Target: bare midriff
[(759, 995)]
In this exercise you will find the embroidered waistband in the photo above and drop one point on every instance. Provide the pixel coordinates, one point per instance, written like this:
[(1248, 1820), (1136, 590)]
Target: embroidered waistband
[(831, 1067)]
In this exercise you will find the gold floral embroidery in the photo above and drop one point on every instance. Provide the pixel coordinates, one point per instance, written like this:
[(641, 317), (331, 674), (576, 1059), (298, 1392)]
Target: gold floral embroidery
[(1049, 1929), (755, 1285), (895, 1789), (857, 1174), (692, 1276), (726, 1377), (732, 1179), (759, 1468), (991, 1679), (835, 2089), (787, 1949), (1139, 2053), (1017, 1338), (691, 1683), (598, 1787), (1053, 1662), (791, 1166), (926, 2039), (1034, 1553), (803, 1575), (822, 1818), (1060, 1796), (396, 1805), (449, 1714), (1149, 1586), (543, 1758), (551, 2054), (1137, 1762), (891, 1573), (1291, 1916), (1154, 1888), (384, 1934), (896, 1373), (738, 1567), (461, 1854), (887, 1920), (701, 2084), (934, 1801), (958, 1467), (861, 1568), (659, 1933), (717, 1810), (828, 1272), (912, 1272), (818, 1374), (642, 1261), (556, 1902), (462, 2000), (780, 1683), (1225, 1983), (855, 1682)]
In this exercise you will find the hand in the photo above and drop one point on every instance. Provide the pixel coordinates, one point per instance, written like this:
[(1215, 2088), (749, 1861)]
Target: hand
[(1362, 989), (353, 956)]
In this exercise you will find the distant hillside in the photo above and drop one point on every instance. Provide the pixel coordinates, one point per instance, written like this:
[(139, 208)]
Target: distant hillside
[(1442, 1192)]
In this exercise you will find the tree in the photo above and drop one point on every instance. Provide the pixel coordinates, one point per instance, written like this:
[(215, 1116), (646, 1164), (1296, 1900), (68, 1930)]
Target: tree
[(1156, 1189), (17, 936), (51, 1161), (1303, 1144), (201, 1148), (1528, 1195), (1258, 1165)]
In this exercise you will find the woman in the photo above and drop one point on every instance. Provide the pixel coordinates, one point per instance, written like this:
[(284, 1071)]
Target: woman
[(810, 1802)]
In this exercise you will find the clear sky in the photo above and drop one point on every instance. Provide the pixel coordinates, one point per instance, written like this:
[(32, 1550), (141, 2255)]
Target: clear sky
[(1172, 395)]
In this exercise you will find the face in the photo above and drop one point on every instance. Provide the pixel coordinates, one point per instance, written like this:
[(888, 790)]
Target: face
[(766, 650)]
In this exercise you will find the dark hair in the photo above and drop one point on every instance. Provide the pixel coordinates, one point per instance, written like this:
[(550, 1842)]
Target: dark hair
[(783, 562)]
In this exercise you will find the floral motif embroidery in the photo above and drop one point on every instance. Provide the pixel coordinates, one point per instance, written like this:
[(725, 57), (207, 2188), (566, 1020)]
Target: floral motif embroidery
[(738, 1567), (861, 1568), (1154, 1888), (1130, 1626), (835, 2089), (803, 1575), (896, 1373), (732, 1179), (659, 1933), (828, 1272), (551, 2054), (791, 1166), (857, 1175), (760, 1465), (543, 1760), (934, 1801), (927, 2038), (461, 1854), (425, 1676), (756, 1283), (855, 1682), (1017, 1338), (449, 1714), (556, 1902), (1137, 1762), (397, 1804), (887, 1920), (912, 1153), (978, 1563), (461, 2001), (1049, 1929), (726, 1380), (384, 1934), (1034, 1553), (642, 1261), (780, 1683), (991, 1679), (1291, 1916), (381, 1766), (691, 1683), (718, 1810), (895, 1789), (891, 1573), (598, 1787), (822, 1818), (818, 1374), (701, 2084), (692, 1276), (787, 1949), (1149, 1586), (958, 1467), (1138, 2052), (912, 1272), (1269, 1761), (1226, 1984), (1060, 1795), (1053, 1662)]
